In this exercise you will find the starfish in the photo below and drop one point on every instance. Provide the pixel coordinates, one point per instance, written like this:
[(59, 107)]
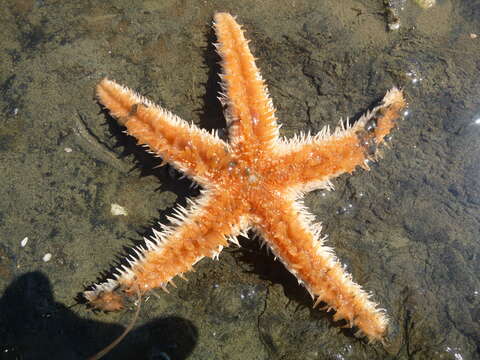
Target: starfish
[(254, 181)]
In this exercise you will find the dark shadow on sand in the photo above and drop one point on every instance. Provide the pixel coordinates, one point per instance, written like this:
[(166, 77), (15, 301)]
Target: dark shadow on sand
[(34, 326)]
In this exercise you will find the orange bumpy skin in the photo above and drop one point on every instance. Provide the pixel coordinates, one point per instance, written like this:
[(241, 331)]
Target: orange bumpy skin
[(253, 181)]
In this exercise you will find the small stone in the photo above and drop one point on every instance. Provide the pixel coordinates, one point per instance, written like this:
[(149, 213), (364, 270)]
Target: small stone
[(47, 257), (24, 242), (425, 4), (117, 210)]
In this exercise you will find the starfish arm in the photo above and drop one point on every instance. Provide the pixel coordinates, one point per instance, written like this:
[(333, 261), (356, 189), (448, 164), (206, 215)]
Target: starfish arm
[(250, 113), (310, 162), (289, 231), (192, 150), (200, 231)]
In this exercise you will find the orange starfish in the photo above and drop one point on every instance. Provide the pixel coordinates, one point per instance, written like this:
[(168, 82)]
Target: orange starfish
[(254, 181)]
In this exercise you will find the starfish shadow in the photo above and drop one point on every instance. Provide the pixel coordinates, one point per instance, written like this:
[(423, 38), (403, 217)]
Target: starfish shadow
[(211, 113), (34, 326)]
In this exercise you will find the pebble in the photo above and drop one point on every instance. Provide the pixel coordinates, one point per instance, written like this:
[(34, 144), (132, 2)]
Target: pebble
[(117, 210), (24, 242)]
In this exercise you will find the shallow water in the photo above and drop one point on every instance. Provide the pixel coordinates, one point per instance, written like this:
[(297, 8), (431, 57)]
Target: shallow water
[(408, 230)]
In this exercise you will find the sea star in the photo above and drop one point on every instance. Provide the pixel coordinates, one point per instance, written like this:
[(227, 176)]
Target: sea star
[(254, 181)]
